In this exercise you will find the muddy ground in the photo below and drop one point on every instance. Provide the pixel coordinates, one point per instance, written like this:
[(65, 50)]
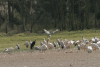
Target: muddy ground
[(51, 58)]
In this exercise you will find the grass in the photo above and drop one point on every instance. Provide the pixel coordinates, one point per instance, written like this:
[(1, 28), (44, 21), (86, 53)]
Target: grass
[(7, 41)]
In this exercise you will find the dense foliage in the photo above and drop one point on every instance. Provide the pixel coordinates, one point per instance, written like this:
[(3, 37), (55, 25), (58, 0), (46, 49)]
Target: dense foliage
[(35, 15)]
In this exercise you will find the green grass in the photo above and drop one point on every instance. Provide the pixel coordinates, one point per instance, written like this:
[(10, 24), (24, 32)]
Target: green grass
[(7, 41)]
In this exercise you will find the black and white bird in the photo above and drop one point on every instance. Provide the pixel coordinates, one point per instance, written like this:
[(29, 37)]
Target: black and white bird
[(50, 32), (17, 47), (54, 44), (62, 44), (77, 44), (58, 41), (32, 44)]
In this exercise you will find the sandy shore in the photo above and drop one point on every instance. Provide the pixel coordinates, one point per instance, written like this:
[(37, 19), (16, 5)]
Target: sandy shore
[(51, 58)]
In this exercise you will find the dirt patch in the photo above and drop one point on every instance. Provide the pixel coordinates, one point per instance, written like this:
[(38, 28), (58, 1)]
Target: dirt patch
[(51, 58)]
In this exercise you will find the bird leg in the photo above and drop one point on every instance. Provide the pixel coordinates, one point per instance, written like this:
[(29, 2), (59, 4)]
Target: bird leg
[(84, 49), (44, 50), (94, 49)]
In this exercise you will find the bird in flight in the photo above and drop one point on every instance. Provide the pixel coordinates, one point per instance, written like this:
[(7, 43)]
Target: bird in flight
[(50, 32)]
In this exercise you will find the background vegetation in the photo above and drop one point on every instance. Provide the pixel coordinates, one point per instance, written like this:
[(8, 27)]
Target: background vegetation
[(7, 41), (18, 16), (23, 20)]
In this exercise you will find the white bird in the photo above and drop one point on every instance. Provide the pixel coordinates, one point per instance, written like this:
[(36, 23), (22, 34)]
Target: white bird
[(89, 49), (70, 43), (27, 44), (95, 46), (66, 42), (44, 41), (10, 49), (84, 46), (95, 40), (50, 45), (30, 42), (62, 44), (43, 47), (84, 40), (98, 43), (17, 47), (50, 32)]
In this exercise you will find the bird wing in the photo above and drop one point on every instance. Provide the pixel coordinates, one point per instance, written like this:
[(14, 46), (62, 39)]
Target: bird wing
[(26, 43), (47, 32), (54, 31), (50, 32)]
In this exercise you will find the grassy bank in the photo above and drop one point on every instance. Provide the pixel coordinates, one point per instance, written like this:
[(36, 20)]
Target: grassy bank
[(10, 41)]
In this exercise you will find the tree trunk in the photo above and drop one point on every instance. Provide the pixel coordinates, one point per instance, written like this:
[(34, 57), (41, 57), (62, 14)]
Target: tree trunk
[(87, 14), (95, 22), (72, 23), (22, 17), (31, 17), (69, 4), (80, 25), (9, 12)]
